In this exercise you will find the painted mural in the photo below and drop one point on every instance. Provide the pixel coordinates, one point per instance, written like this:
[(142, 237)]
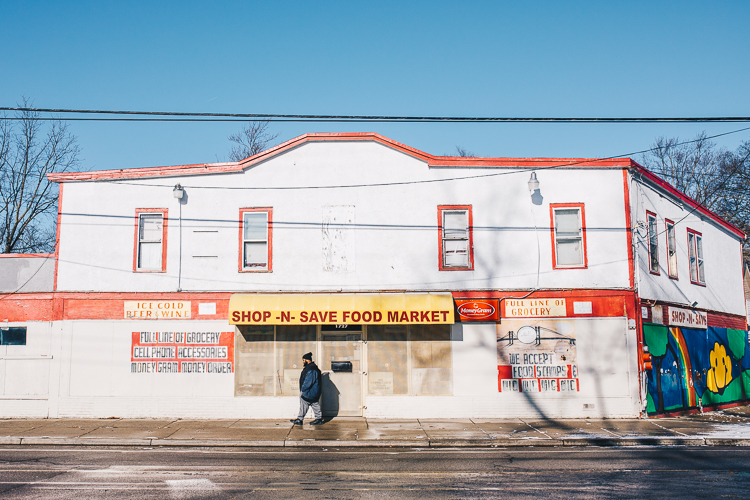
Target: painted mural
[(692, 368)]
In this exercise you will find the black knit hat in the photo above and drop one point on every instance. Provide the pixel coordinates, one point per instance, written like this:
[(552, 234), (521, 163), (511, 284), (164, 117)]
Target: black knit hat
[(307, 356)]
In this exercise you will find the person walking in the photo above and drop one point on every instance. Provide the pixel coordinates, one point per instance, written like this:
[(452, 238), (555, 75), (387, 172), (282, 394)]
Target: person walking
[(309, 391)]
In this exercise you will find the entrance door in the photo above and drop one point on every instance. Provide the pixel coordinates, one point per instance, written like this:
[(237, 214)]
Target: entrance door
[(341, 363)]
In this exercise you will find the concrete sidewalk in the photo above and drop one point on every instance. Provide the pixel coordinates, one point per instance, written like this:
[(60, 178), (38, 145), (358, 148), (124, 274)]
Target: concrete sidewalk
[(729, 427)]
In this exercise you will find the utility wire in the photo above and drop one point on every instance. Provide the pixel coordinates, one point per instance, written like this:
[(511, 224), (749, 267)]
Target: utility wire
[(392, 118)]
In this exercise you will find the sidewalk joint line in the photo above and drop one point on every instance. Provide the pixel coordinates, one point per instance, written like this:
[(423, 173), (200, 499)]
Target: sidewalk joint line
[(667, 429), (539, 431)]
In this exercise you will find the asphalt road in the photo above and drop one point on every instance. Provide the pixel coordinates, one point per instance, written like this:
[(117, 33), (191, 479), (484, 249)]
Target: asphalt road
[(320, 473)]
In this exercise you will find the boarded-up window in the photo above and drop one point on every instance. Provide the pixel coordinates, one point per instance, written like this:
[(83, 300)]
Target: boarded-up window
[(414, 360), (254, 363), (431, 360), (387, 360), (292, 342)]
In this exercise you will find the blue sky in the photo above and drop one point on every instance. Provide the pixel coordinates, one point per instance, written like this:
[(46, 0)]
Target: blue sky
[(498, 58)]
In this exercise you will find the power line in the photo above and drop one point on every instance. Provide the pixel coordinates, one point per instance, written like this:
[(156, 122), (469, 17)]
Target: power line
[(377, 118)]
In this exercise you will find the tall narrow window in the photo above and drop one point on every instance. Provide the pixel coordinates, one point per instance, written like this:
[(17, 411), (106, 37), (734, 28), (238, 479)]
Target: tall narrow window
[(695, 252), (653, 244), (255, 239), (671, 250), (568, 235), (455, 232), (151, 240)]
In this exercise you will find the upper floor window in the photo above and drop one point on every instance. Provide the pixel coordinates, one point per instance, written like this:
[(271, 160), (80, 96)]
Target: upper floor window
[(568, 235), (255, 239), (695, 252), (671, 250), (455, 233), (653, 244), (151, 240)]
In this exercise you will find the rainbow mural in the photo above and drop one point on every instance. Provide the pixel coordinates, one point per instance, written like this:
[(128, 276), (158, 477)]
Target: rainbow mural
[(693, 368)]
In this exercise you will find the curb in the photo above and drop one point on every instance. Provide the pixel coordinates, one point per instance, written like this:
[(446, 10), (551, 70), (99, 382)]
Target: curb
[(636, 441), (426, 443)]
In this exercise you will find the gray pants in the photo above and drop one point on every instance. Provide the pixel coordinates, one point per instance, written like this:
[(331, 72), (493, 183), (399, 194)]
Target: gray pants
[(304, 405)]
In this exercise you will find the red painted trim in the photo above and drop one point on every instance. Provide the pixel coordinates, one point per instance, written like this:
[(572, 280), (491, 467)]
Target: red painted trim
[(629, 226), (689, 201), (724, 320), (667, 222), (552, 207), (441, 209), (695, 249), (26, 255), (605, 303), (269, 268), (207, 168), (57, 234), (648, 242), (165, 220)]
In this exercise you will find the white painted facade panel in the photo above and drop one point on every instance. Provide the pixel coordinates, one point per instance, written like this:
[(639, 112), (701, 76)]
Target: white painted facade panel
[(723, 290), (92, 377), (511, 235)]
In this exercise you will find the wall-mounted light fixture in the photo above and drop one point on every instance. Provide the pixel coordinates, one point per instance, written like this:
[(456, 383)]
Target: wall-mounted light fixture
[(533, 183), (178, 192)]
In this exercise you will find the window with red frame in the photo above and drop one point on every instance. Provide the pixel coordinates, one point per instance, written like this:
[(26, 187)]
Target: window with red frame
[(568, 235), (695, 252), (456, 246), (151, 240), (255, 239), (671, 250), (653, 244)]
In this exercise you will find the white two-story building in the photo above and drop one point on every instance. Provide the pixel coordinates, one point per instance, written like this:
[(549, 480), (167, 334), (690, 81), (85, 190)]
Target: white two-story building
[(424, 286)]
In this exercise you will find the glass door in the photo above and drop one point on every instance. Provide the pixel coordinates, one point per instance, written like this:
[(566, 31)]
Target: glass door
[(341, 362)]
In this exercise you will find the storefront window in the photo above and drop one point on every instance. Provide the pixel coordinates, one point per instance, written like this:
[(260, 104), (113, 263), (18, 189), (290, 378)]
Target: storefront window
[(387, 360), (430, 360), (254, 365), (409, 360), (292, 342), (402, 360)]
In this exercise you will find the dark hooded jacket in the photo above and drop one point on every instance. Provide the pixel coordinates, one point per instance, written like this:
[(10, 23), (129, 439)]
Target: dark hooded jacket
[(309, 383)]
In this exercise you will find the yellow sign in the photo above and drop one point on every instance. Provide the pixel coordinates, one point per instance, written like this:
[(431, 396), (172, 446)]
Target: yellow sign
[(146, 309), (341, 308), (534, 308)]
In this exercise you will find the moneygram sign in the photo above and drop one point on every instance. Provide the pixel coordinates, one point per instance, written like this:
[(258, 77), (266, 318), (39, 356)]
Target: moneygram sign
[(486, 310)]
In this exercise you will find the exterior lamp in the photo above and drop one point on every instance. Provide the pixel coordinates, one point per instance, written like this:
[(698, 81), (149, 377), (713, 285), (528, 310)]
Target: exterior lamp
[(533, 183), (178, 192)]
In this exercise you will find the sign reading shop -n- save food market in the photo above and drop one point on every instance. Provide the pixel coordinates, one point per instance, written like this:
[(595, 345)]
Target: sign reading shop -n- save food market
[(153, 309), (343, 308)]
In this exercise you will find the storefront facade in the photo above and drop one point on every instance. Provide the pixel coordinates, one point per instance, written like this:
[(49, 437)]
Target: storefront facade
[(419, 295)]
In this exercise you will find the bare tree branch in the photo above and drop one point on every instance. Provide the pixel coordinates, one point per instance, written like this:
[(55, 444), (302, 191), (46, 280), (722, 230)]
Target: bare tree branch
[(465, 153), (251, 140), (716, 178), (29, 151)]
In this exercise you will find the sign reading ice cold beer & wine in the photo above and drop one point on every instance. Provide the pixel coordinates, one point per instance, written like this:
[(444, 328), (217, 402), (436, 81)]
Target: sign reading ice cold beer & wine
[(151, 309), (182, 352)]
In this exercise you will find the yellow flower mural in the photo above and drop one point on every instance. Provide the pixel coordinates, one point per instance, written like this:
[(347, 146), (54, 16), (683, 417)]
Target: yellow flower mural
[(720, 373)]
